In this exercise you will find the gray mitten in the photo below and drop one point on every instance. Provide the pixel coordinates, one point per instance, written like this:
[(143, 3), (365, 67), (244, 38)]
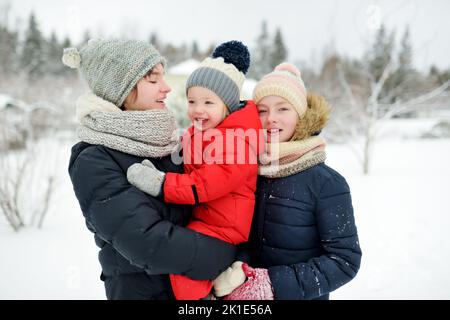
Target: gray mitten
[(146, 177)]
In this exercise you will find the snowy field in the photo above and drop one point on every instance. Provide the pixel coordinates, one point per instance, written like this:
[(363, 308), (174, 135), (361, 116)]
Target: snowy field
[(402, 211)]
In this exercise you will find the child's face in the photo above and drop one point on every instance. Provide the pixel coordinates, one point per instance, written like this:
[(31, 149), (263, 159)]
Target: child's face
[(278, 117), (205, 109), (150, 92)]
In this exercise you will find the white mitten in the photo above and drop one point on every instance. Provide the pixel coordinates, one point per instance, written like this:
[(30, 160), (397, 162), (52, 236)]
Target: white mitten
[(229, 280)]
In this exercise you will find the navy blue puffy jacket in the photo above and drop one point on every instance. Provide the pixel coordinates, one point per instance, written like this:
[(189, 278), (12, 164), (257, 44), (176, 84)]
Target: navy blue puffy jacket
[(304, 232)]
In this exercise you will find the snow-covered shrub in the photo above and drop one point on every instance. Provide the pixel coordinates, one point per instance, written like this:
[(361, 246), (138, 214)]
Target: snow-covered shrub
[(439, 130), (27, 183)]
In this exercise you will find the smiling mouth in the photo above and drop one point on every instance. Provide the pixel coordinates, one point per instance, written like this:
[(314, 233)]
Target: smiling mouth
[(273, 131), (200, 120)]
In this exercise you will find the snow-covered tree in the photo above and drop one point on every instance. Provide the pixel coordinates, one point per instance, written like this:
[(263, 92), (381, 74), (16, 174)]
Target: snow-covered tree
[(381, 52), (381, 86), (279, 51), (366, 111), (438, 77), (405, 55), (53, 52), (261, 62), (404, 80), (8, 43), (155, 41), (66, 42), (195, 51), (86, 37), (175, 54), (32, 55), (8, 50)]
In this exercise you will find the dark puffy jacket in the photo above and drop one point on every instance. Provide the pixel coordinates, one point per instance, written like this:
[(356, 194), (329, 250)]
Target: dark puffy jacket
[(140, 236), (304, 233)]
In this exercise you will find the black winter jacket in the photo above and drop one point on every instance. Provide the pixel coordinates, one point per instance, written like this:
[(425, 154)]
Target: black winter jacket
[(141, 238)]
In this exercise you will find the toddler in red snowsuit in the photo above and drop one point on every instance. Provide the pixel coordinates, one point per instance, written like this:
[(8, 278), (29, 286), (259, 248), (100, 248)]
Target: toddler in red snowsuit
[(220, 153)]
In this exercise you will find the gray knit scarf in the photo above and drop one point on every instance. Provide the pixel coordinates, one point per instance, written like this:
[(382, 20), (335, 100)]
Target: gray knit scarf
[(150, 134)]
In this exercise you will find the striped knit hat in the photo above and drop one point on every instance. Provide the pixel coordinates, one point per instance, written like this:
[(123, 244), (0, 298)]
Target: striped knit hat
[(113, 67), (224, 73), (286, 82)]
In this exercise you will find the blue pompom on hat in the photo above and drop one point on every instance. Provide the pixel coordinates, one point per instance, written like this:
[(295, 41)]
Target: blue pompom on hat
[(234, 52), (223, 73)]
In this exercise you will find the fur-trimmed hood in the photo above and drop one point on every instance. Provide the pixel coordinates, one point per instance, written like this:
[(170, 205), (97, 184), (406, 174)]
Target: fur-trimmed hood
[(314, 119)]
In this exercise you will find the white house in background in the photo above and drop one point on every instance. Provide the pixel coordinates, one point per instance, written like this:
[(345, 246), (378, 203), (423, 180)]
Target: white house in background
[(185, 68), (12, 111), (13, 129), (19, 121), (8, 102)]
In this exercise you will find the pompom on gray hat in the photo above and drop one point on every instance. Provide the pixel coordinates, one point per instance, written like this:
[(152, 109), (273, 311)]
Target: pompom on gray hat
[(113, 67)]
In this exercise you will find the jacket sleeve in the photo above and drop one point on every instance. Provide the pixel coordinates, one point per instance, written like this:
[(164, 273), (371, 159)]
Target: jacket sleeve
[(127, 218), (244, 253), (207, 183), (338, 235)]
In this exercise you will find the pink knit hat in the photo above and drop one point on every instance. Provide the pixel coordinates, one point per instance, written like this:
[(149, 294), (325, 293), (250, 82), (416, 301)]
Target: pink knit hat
[(284, 81)]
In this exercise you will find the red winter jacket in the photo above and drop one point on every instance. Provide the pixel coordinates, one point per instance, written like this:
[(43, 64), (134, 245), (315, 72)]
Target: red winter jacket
[(220, 175)]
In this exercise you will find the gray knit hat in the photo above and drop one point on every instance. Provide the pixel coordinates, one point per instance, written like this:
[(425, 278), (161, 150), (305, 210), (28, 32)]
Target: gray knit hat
[(224, 73), (113, 67)]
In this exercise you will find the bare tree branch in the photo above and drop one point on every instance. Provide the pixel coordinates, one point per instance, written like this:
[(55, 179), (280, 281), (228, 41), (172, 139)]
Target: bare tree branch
[(400, 107), (48, 194), (348, 91), (376, 90)]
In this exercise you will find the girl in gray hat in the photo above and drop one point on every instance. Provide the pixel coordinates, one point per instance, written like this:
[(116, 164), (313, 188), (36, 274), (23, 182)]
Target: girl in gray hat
[(124, 120)]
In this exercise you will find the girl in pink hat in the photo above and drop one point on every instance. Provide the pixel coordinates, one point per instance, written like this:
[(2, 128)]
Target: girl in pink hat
[(304, 242)]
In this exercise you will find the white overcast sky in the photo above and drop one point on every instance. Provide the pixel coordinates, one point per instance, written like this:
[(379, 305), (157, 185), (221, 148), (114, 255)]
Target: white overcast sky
[(308, 26)]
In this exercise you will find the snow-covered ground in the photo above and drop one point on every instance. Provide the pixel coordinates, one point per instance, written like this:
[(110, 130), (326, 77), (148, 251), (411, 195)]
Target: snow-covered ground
[(402, 211)]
